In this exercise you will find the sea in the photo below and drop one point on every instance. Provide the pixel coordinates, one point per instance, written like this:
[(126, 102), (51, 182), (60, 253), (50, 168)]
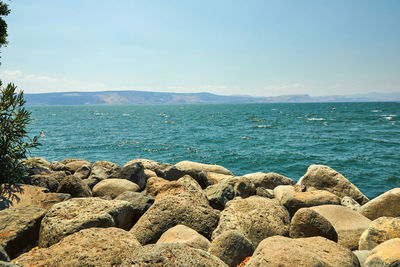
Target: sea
[(359, 140)]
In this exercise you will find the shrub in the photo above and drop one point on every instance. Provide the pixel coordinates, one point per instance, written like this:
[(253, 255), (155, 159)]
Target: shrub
[(14, 142)]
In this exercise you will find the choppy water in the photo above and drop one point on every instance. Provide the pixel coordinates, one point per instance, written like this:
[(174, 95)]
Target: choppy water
[(360, 140)]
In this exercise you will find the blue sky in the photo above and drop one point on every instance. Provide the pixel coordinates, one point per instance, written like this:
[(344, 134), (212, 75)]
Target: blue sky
[(260, 48)]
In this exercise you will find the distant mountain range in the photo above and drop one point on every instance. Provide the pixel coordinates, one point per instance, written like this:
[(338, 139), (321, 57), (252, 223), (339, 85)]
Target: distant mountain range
[(143, 97)]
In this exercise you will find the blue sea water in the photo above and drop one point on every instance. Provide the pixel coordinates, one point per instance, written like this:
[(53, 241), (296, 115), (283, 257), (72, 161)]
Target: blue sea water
[(360, 140)]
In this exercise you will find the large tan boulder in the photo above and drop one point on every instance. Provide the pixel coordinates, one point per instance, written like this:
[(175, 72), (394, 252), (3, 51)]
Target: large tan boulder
[(88, 247), (386, 204), (184, 235), (215, 178), (311, 252), (255, 217), (19, 195), (325, 178), (113, 187), (188, 166), (268, 180), (379, 231), (171, 255), (232, 247), (188, 208), (386, 254), (293, 200), (348, 223), (73, 215), (19, 229), (307, 223)]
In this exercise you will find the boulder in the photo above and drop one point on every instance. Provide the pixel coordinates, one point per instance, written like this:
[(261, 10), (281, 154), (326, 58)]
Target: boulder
[(88, 247), (113, 187), (386, 254), (44, 180), (190, 183), (103, 169), (386, 204), (362, 256), (36, 165), (35, 162), (188, 208), (348, 223), (133, 172), (74, 186), (350, 203), (231, 247), (310, 252), (219, 194), (3, 255), (307, 223), (379, 231), (150, 173), (263, 192), (190, 166), (215, 178), (184, 235), (71, 216), (140, 203), (268, 180), (19, 229), (19, 195), (74, 165), (83, 172), (169, 172), (242, 186), (57, 166), (9, 264), (147, 163), (91, 182), (171, 255), (158, 187), (292, 200), (254, 217), (325, 178)]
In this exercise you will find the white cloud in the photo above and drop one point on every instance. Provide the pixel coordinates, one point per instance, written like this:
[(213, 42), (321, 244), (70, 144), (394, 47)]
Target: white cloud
[(8, 75)]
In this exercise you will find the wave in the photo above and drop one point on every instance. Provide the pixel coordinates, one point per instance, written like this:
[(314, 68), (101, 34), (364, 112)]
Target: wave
[(315, 119)]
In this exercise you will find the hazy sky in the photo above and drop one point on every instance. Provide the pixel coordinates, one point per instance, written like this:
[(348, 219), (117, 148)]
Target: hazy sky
[(260, 48)]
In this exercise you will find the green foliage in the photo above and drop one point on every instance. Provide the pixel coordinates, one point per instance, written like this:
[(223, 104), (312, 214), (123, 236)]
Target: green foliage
[(14, 144), (4, 11)]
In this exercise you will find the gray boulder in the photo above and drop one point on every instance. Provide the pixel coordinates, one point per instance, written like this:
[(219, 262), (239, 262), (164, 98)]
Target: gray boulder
[(133, 172), (325, 178), (254, 217), (350, 203), (103, 169), (44, 180), (219, 194), (362, 256), (171, 255), (71, 216), (188, 208), (231, 247), (19, 229), (88, 247)]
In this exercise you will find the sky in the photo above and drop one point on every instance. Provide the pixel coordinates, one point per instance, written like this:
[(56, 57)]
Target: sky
[(227, 47)]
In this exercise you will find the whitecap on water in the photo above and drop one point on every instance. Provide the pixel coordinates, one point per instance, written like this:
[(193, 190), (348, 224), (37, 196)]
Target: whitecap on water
[(260, 126), (244, 137), (376, 110), (315, 119)]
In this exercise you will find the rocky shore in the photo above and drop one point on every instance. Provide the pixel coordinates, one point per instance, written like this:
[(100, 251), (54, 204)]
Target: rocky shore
[(146, 213)]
